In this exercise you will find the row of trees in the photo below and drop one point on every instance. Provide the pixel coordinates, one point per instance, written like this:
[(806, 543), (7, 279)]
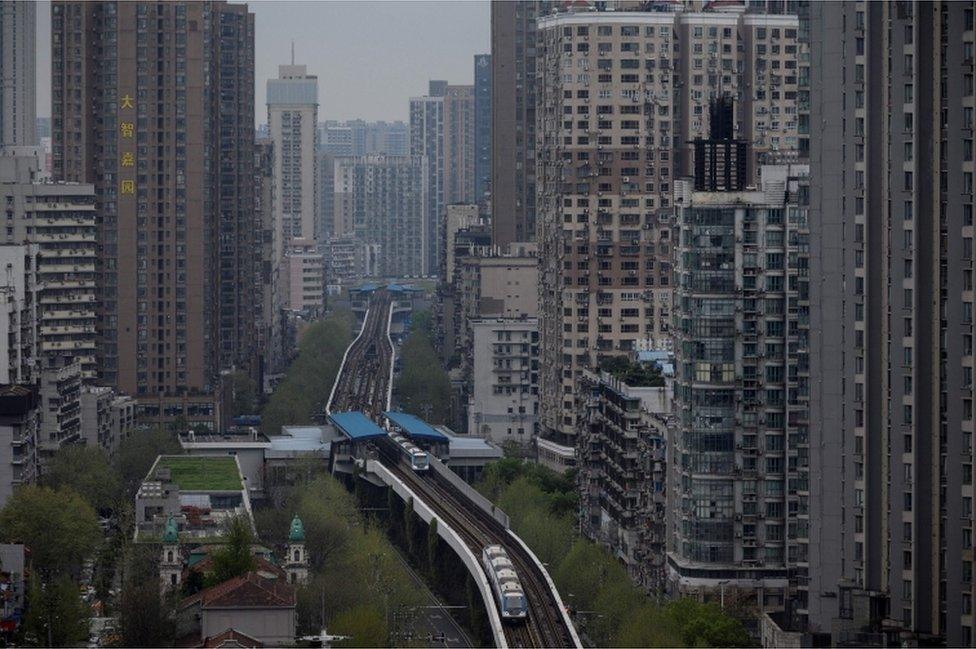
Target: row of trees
[(423, 388), (305, 388), (612, 610)]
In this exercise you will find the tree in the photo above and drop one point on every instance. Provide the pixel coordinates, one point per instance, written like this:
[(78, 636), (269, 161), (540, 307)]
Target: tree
[(235, 557), (433, 545), (59, 526), (56, 616), (423, 387), (85, 469), (135, 456), (145, 614), (308, 382), (245, 394), (632, 373), (706, 624), (365, 626)]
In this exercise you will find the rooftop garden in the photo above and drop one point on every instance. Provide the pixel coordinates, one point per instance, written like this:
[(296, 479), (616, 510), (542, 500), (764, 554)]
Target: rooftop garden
[(202, 473), (636, 375)]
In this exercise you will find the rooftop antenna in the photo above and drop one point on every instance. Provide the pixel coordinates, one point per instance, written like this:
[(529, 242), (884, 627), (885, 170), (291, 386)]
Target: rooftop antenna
[(293, 52)]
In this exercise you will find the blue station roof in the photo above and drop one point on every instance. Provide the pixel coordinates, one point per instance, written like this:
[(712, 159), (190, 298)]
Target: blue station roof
[(368, 287), (403, 288), (415, 427), (356, 425)]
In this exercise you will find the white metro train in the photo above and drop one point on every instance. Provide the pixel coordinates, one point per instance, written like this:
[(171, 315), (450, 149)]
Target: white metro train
[(416, 456), (504, 582)]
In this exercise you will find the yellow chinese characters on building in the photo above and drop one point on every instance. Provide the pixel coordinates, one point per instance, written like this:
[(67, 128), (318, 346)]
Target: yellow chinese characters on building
[(128, 159), (128, 187), (128, 129)]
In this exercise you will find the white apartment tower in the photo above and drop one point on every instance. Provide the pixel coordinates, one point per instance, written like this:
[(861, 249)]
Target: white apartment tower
[(293, 105)]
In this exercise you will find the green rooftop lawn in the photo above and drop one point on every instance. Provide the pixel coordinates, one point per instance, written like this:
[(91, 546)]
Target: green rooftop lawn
[(203, 473)]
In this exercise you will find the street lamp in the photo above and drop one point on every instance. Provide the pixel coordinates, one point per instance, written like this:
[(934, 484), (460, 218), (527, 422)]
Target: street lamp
[(721, 590)]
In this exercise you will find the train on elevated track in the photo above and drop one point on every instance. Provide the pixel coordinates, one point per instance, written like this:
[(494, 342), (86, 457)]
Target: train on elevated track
[(415, 456), (505, 583)]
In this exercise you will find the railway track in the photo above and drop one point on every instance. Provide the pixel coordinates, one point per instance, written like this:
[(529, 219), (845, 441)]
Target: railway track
[(363, 381), (363, 384), (544, 626)]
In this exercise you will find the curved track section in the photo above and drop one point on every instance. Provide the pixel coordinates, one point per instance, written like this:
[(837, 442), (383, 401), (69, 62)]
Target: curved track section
[(364, 383)]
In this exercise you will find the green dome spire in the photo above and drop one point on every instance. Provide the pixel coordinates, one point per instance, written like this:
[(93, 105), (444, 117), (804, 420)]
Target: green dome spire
[(171, 535), (297, 533)]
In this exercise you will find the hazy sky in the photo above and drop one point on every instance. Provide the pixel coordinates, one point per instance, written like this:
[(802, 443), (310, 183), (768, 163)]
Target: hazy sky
[(370, 57)]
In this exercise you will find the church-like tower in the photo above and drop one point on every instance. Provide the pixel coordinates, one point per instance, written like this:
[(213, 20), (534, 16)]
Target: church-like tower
[(296, 563), (170, 562)]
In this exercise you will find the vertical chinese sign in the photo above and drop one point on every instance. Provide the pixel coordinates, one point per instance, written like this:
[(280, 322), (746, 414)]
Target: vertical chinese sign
[(127, 148)]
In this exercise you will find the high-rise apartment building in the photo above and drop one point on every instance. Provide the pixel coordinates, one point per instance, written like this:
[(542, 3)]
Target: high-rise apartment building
[(59, 218), (459, 145), (514, 49), (739, 447), (427, 142), (268, 327), (891, 320), (293, 109), (153, 104), (18, 111), (359, 137), (482, 129), (382, 200), (352, 138), (235, 225), (618, 96)]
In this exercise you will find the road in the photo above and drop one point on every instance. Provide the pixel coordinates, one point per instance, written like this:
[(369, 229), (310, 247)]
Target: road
[(434, 621)]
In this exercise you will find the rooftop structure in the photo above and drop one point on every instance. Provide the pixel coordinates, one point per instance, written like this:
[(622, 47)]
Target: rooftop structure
[(356, 426), (244, 443), (200, 493), (415, 427)]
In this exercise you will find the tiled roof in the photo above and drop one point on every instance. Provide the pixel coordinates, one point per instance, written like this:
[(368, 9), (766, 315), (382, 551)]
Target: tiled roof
[(231, 638), (251, 590)]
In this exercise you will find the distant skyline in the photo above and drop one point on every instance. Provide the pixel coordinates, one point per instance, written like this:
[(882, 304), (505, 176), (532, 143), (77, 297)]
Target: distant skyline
[(370, 56)]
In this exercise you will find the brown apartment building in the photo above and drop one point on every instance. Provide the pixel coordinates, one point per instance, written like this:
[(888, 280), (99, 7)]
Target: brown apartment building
[(619, 95), (153, 103)]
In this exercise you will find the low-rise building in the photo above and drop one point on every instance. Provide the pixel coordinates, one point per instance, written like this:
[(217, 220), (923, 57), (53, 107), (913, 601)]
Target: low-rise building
[(256, 606), (503, 401), (200, 493), (622, 469), (18, 438), (468, 455)]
